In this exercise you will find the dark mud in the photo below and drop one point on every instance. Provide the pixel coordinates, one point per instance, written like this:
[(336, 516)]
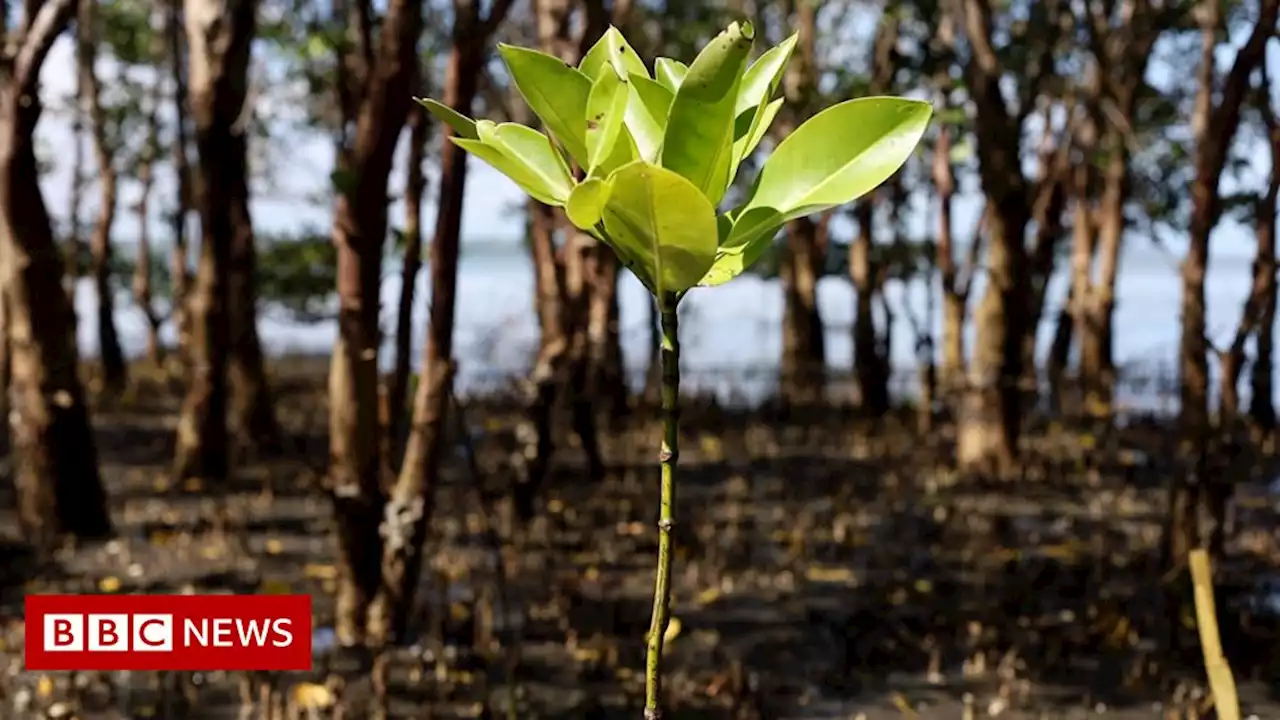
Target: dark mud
[(826, 569)]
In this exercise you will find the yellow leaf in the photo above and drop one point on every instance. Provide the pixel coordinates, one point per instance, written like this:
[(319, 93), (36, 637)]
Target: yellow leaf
[(161, 483), (211, 552), (673, 630), (109, 584), (587, 655), (829, 574), (708, 596), (320, 571), (274, 547), (555, 505), (712, 448), (311, 696), (275, 587), (192, 485), (924, 587), (904, 706), (44, 688), (1088, 441)]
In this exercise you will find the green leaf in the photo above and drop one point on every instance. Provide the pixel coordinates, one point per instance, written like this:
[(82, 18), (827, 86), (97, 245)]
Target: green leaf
[(743, 146), (759, 83), (624, 151), (648, 104), (606, 110), (586, 203), (763, 76), (663, 223), (839, 155), (462, 125), (535, 151), (524, 155), (612, 50), (670, 73), (742, 242), (557, 93), (698, 142)]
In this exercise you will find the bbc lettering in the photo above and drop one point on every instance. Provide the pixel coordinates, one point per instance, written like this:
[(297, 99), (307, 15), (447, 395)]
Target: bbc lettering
[(155, 633), (174, 632)]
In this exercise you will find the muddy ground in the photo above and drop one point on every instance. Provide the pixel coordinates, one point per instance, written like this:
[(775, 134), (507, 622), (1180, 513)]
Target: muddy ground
[(826, 569)]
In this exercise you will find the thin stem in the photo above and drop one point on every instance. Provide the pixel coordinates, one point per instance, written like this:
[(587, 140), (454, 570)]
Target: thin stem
[(668, 457)]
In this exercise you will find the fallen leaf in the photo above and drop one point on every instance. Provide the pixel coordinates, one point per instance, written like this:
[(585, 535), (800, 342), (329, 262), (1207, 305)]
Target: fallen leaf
[(673, 630), (320, 571), (311, 696), (708, 596), (44, 687), (274, 547), (109, 584), (275, 587)]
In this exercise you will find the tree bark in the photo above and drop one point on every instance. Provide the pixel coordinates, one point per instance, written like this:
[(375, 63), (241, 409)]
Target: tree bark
[(410, 265), (110, 355), (56, 465), (955, 288), (870, 367), (219, 36)]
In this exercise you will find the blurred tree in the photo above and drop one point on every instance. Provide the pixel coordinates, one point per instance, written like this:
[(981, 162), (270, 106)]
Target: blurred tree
[(56, 464), (219, 37), (88, 37)]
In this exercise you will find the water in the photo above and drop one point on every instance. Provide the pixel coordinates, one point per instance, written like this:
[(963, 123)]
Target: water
[(734, 326)]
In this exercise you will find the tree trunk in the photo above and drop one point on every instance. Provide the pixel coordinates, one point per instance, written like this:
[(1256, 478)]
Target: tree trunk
[(1214, 126), (1262, 407), (604, 356), (179, 259), (408, 513), (219, 36), (988, 433), (374, 88), (56, 464), (410, 265), (870, 368), (114, 371), (1060, 355), (803, 343), (955, 290), (548, 369), (142, 270), (1097, 363)]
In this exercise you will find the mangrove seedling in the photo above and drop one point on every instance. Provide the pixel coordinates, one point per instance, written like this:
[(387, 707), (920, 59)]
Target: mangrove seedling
[(641, 161)]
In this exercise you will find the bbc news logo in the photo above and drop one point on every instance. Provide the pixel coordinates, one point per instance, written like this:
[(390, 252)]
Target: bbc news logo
[(168, 632)]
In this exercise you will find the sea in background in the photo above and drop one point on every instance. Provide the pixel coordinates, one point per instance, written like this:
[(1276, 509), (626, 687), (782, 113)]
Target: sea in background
[(731, 335)]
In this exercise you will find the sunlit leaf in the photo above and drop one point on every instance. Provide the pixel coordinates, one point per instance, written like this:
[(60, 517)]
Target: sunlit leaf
[(557, 93), (612, 50), (698, 142), (670, 73), (462, 125), (839, 155), (664, 222), (606, 110), (586, 203), (648, 105)]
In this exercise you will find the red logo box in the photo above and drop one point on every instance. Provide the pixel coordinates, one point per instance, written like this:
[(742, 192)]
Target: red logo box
[(168, 632)]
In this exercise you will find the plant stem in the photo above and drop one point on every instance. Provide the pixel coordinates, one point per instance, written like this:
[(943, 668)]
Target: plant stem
[(668, 458)]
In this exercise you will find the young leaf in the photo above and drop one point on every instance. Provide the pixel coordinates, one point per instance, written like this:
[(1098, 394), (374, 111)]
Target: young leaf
[(743, 239), (743, 146), (662, 221), (612, 49), (698, 142), (586, 203), (557, 93), (624, 151), (670, 73), (646, 116), (463, 126), (606, 110), (533, 170), (759, 83), (839, 155), (762, 77)]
